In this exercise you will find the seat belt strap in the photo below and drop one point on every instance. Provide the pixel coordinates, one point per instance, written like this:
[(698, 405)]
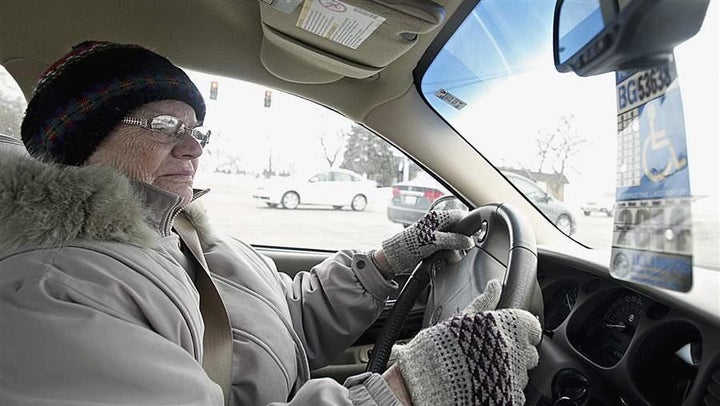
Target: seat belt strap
[(217, 339)]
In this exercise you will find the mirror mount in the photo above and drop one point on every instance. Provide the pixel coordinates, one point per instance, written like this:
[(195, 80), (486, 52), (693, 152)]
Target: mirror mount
[(613, 35)]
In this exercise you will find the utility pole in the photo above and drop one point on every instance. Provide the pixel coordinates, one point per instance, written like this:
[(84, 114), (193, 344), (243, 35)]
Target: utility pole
[(267, 103)]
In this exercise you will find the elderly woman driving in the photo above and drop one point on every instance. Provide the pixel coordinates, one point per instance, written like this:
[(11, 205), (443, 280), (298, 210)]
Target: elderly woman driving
[(115, 290)]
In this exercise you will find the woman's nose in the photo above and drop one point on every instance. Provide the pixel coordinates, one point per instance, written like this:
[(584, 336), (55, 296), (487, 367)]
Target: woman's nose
[(187, 148)]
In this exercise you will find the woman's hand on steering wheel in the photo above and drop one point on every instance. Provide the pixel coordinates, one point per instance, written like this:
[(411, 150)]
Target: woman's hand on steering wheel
[(478, 357), (423, 238)]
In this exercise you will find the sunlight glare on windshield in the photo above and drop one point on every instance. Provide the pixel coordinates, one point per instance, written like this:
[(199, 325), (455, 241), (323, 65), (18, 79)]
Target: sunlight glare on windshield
[(495, 82)]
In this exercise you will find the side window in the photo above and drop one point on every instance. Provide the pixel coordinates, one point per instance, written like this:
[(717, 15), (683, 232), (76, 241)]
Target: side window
[(265, 149), (524, 187), (342, 177), (529, 189), (12, 105), (322, 177)]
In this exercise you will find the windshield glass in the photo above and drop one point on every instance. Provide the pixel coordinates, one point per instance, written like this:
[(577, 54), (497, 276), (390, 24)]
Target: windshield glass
[(553, 135)]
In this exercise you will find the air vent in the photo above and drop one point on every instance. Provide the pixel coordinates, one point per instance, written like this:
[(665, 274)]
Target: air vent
[(712, 395)]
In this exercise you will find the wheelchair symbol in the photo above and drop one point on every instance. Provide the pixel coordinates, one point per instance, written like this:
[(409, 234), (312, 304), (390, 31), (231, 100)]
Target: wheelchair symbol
[(659, 140), (621, 265)]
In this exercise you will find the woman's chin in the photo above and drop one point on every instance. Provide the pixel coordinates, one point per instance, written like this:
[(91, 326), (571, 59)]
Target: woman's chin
[(183, 188)]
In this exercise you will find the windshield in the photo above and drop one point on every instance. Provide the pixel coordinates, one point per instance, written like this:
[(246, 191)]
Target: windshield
[(553, 135)]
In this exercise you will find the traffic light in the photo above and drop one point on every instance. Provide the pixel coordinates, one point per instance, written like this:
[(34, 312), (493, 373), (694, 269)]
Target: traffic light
[(268, 98), (213, 90)]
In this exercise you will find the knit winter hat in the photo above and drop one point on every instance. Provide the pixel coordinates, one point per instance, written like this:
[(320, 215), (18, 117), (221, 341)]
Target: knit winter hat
[(86, 94)]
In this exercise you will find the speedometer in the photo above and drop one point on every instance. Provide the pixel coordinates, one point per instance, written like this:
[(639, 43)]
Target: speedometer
[(607, 335), (624, 314)]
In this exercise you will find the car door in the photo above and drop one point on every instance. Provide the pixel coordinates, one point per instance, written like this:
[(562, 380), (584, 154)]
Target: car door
[(317, 188), (344, 188)]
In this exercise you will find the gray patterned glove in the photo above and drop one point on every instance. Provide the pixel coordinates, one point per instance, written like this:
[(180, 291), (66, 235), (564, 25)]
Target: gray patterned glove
[(478, 357), (423, 238)]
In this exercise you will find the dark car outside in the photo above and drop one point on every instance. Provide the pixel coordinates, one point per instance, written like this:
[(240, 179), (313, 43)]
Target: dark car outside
[(411, 199), (555, 210)]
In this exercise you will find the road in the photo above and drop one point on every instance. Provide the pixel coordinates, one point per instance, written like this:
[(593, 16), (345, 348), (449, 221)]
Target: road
[(232, 208)]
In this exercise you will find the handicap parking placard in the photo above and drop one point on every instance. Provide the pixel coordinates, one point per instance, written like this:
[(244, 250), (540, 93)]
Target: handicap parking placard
[(652, 231)]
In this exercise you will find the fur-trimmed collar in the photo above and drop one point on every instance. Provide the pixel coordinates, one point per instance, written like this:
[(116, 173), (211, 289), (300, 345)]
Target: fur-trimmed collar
[(47, 205)]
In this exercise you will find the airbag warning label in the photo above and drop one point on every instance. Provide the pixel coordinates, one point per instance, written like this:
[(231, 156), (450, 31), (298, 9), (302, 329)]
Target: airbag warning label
[(339, 22)]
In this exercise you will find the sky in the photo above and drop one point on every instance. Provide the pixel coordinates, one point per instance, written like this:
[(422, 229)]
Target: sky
[(521, 93)]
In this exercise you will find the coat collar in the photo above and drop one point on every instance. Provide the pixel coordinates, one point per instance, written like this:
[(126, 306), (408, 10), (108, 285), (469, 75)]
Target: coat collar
[(48, 205), (161, 206)]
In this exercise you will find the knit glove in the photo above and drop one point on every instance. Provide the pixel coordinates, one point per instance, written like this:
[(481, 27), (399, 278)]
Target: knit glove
[(423, 238), (477, 357)]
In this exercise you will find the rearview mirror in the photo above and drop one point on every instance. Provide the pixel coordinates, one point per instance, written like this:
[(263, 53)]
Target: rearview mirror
[(591, 37)]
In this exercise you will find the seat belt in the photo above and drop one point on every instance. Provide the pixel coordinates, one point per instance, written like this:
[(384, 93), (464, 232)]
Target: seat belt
[(217, 340)]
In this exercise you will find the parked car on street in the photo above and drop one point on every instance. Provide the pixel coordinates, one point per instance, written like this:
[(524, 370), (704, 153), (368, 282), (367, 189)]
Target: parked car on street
[(602, 205), (229, 167), (555, 210), (333, 187), (411, 199)]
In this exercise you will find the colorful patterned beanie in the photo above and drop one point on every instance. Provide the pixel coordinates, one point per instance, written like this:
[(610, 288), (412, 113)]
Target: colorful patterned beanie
[(86, 94)]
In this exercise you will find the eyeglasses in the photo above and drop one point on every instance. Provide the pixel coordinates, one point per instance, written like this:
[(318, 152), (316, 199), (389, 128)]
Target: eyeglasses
[(171, 127)]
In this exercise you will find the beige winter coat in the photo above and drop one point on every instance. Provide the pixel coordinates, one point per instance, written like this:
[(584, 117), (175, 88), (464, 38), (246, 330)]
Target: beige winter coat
[(98, 305)]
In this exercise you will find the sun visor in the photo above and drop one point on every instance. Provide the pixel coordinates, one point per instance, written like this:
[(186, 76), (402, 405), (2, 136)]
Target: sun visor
[(322, 41)]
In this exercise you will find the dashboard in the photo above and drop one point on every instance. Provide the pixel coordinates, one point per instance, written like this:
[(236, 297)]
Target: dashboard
[(604, 342), (607, 344)]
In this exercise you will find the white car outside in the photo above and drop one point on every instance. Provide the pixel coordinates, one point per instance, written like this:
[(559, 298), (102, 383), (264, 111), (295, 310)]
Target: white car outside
[(604, 204), (332, 187)]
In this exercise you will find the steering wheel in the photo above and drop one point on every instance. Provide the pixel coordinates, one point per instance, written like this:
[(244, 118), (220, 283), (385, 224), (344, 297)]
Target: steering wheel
[(505, 249)]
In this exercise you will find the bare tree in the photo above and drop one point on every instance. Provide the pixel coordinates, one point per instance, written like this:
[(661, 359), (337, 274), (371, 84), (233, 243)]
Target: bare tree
[(332, 145), (558, 146), (332, 132), (544, 144)]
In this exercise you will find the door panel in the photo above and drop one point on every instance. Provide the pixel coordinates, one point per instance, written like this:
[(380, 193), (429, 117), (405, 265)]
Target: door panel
[(354, 360)]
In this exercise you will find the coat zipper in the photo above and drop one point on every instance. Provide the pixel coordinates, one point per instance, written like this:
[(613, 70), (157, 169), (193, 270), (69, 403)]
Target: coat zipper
[(177, 209)]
